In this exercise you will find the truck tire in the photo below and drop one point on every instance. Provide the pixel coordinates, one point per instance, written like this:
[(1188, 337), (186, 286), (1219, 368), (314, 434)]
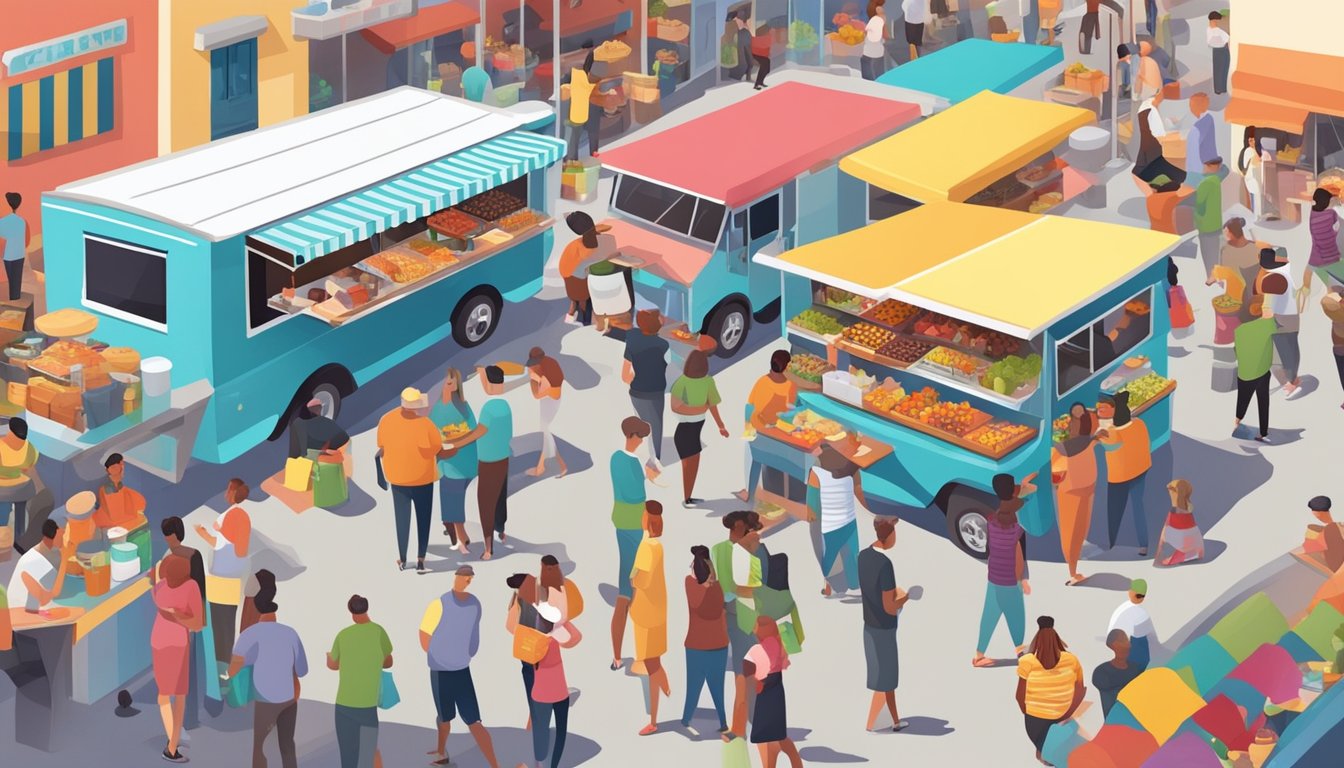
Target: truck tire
[(475, 319), (728, 326), (769, 313), (329, 395), (968, 514)]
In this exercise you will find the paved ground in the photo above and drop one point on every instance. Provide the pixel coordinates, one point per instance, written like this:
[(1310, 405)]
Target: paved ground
[(959, 715)]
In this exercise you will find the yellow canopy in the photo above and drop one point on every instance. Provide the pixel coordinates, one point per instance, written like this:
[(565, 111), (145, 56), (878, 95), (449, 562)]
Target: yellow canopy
[(955, 154), (1014, 272)]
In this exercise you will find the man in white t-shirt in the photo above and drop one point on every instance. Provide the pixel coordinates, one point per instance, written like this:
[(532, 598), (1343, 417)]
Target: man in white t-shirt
[(872, 62), (1288, 320), (1218, 39), (916, 14), (37, 580), (1133, 619)]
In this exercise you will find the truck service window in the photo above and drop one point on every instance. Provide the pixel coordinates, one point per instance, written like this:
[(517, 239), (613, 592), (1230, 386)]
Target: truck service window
[(669, 208), (126, 278)]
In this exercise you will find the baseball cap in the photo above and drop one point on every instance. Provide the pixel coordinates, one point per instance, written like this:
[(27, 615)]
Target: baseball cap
[(465, 570), (1139, 586), (413, 398)]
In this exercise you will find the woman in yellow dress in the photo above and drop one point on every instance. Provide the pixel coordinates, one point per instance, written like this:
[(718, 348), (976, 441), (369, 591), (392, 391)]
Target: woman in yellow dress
[(648, 610)]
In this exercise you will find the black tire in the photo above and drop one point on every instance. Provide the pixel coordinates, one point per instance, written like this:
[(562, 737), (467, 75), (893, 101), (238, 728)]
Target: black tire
[(769, 313), (967, 521), (475, 319), (728, 326)]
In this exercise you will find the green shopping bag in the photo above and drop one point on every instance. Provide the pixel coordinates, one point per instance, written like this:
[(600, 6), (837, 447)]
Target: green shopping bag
[(735, 753), (388, 697), (329, 485), (241, 693), (789, 637)]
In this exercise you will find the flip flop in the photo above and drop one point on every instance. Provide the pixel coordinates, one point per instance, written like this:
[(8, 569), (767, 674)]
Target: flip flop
[(982, 662), (1073, 582), (648, 730), (900, 726)]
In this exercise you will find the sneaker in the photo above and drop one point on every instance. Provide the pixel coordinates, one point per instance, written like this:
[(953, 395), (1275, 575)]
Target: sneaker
[(175, 757), (1296, 393), (692, 503)]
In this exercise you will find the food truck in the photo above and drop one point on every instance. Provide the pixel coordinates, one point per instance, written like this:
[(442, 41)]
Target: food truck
[(942, 346), (302, 260), (695, 202), (966, 68)]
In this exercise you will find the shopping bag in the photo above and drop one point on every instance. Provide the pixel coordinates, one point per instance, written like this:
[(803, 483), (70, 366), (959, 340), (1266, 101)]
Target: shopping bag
[(329, 485), (388, 697), (241, 693), (378, 468), (530, 645), (1182, 314), (298, 474), (728, 53), (573, 600), (736, 754), (789, 638)]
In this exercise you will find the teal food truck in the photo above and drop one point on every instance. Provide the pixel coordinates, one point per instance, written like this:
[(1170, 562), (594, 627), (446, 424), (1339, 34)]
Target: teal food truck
[(694, 202), (953, 338), (302, 260)]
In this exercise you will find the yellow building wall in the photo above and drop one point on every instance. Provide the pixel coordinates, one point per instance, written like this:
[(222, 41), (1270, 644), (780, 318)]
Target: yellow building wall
[(1311, 26), (184, 88)]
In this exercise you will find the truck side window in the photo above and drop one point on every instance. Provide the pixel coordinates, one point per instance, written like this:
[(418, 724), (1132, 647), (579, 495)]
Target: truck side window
[(765, 218)]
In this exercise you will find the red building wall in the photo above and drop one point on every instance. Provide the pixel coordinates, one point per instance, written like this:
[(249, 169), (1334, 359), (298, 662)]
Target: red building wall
[(134, 135)]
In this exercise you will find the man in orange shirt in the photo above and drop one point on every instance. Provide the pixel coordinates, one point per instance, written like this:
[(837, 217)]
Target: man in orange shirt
[(118, 505), (409, 447), (772, 395)]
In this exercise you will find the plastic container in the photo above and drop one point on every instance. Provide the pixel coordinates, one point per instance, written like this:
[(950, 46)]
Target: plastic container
[(125, 561), (609, 292), (97, 580), (156, 376)]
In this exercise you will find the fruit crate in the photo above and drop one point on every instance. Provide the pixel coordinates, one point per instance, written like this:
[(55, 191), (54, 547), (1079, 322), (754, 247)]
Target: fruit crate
[(949, 372), (1001, 450)]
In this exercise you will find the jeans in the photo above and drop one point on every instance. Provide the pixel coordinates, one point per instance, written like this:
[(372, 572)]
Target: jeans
[(403, 498), (1150, 16), (705, 668), (1005, 601), (1290, 353), (754, 468), (14, 274), (763, 64), (281, 718), (1031, 24), (1260, 388), (1117, 494), (593, 127), (453, 500), (649, 406), (356, 735), (872, 67), (1339, 367), (541, 730), (1222, 61), (20, 511), (1210, 244), (223, 620), (846, 538)]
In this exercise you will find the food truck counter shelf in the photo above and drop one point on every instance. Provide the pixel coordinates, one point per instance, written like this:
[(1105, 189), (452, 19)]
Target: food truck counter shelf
[(398, 290), (937, 375), (868, 452)]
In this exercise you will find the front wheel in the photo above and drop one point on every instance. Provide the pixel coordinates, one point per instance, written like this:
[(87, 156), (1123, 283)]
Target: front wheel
[(968, 522), (475, 320), (728, 327)]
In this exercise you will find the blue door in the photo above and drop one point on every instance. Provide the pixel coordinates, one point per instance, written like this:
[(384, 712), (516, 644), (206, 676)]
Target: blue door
[(233, 89)]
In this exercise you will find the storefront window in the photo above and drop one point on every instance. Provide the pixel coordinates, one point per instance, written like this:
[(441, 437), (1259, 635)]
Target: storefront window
[(670, 209), (1323, 145), (87, 95), (1105, 341), (503, 30), (126, 280), (804, 41), (843, 39), (670, 25), (1073, 360)]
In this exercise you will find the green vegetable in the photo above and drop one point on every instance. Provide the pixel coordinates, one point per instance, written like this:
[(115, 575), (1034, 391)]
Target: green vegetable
[(802, 36), (818, 322), (1010, 373), (657, 8)]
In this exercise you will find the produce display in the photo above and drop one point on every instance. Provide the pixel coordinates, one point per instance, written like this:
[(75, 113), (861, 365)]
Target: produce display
[(848, 30), (891, 312), (1035, 173), (1010, 373), (817, 322), (491, 205), (438, 255), (995, 436), (868, 335), (1226, 304), (884, 398), (807, 419), (953, 418), (905, 349), (667, 57), (1332, 180), (1059, 429), (517, 222), (838, 298), (1144, 388), (808, 367), (972, 337), (802, 36), (611, 50), (398, 267), (1045, 202), (958, 362), (454, 223), (456, 431)]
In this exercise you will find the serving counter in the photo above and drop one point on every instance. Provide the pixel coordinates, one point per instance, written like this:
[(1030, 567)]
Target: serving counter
[(89, 648)]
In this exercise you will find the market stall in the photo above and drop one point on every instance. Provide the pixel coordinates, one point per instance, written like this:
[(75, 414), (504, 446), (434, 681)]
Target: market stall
[(964, 69), (963, 350), (1295, 101), (989, 150)]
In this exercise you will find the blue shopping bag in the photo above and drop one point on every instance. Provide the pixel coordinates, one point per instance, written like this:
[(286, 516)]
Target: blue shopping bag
[(388, 697), (241, 693)]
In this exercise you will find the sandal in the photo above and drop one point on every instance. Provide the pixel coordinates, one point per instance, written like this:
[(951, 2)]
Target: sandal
[(982, 662), (648, 730), (1075, 580), (420, 567)]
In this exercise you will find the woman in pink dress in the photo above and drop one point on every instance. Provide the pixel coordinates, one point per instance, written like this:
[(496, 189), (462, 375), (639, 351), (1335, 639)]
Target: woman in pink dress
[(178, 601)]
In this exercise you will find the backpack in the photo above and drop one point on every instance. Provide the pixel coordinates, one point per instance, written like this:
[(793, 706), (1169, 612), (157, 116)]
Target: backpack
[(777, 574), (573, 599)]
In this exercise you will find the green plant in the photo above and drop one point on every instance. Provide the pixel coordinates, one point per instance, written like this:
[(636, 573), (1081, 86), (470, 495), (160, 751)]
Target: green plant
[(657, 8)]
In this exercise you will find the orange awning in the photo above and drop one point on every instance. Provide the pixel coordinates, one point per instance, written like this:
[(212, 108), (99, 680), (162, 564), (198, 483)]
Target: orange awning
[(1276, 88), (391, 36)]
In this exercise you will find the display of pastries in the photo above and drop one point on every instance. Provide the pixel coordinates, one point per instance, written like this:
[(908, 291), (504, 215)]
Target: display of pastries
[(454, 223), (517, 222), (399, 267), (492, 205)]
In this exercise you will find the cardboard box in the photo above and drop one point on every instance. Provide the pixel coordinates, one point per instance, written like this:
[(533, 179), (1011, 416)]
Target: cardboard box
[(1092, 82), (72, 417), (17, 394)]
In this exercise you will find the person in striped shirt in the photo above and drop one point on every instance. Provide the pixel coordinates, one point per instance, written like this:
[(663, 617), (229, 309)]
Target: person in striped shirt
[(1049, 683)]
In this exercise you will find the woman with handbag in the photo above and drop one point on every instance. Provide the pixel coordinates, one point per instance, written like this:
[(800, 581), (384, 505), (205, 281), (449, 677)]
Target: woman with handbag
[(177, 601), (547, 382), (1073, 468), (539, 650), (456, 473), (766, 662), (229, 538), (648, 610)]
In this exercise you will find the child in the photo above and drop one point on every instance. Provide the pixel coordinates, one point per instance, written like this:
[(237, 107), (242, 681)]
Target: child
[(1180, 531)]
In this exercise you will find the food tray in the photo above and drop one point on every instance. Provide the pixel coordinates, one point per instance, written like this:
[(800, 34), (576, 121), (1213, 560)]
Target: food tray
[(412, 266), (858, 350), (491, 205), (455, 225), (919, 426), (522, 220), (1012, 444), (870, 314), (1155, 399), (788, 438), (1051, 175), (948, 372), (801, 383)]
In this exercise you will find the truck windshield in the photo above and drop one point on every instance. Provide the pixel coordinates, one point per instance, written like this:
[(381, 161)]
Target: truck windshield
[(670, 209)]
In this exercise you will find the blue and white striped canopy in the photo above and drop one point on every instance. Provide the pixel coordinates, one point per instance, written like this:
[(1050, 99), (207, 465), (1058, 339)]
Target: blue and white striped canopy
[(419, 193)]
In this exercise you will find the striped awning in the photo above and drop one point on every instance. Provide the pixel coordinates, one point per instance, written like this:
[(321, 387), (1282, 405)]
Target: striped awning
[(413, 195)]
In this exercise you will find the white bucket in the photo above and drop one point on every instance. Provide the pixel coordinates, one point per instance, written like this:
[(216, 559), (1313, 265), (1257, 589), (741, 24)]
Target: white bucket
[(609, 293), (125, 561), (156, 376)]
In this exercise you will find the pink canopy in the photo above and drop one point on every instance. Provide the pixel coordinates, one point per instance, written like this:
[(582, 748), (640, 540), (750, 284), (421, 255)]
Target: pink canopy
[(742, 152)]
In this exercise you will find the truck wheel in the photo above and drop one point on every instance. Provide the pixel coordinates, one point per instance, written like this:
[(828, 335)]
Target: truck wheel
[(475, 320), (968, 521), (769, 313), (728, 327)]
